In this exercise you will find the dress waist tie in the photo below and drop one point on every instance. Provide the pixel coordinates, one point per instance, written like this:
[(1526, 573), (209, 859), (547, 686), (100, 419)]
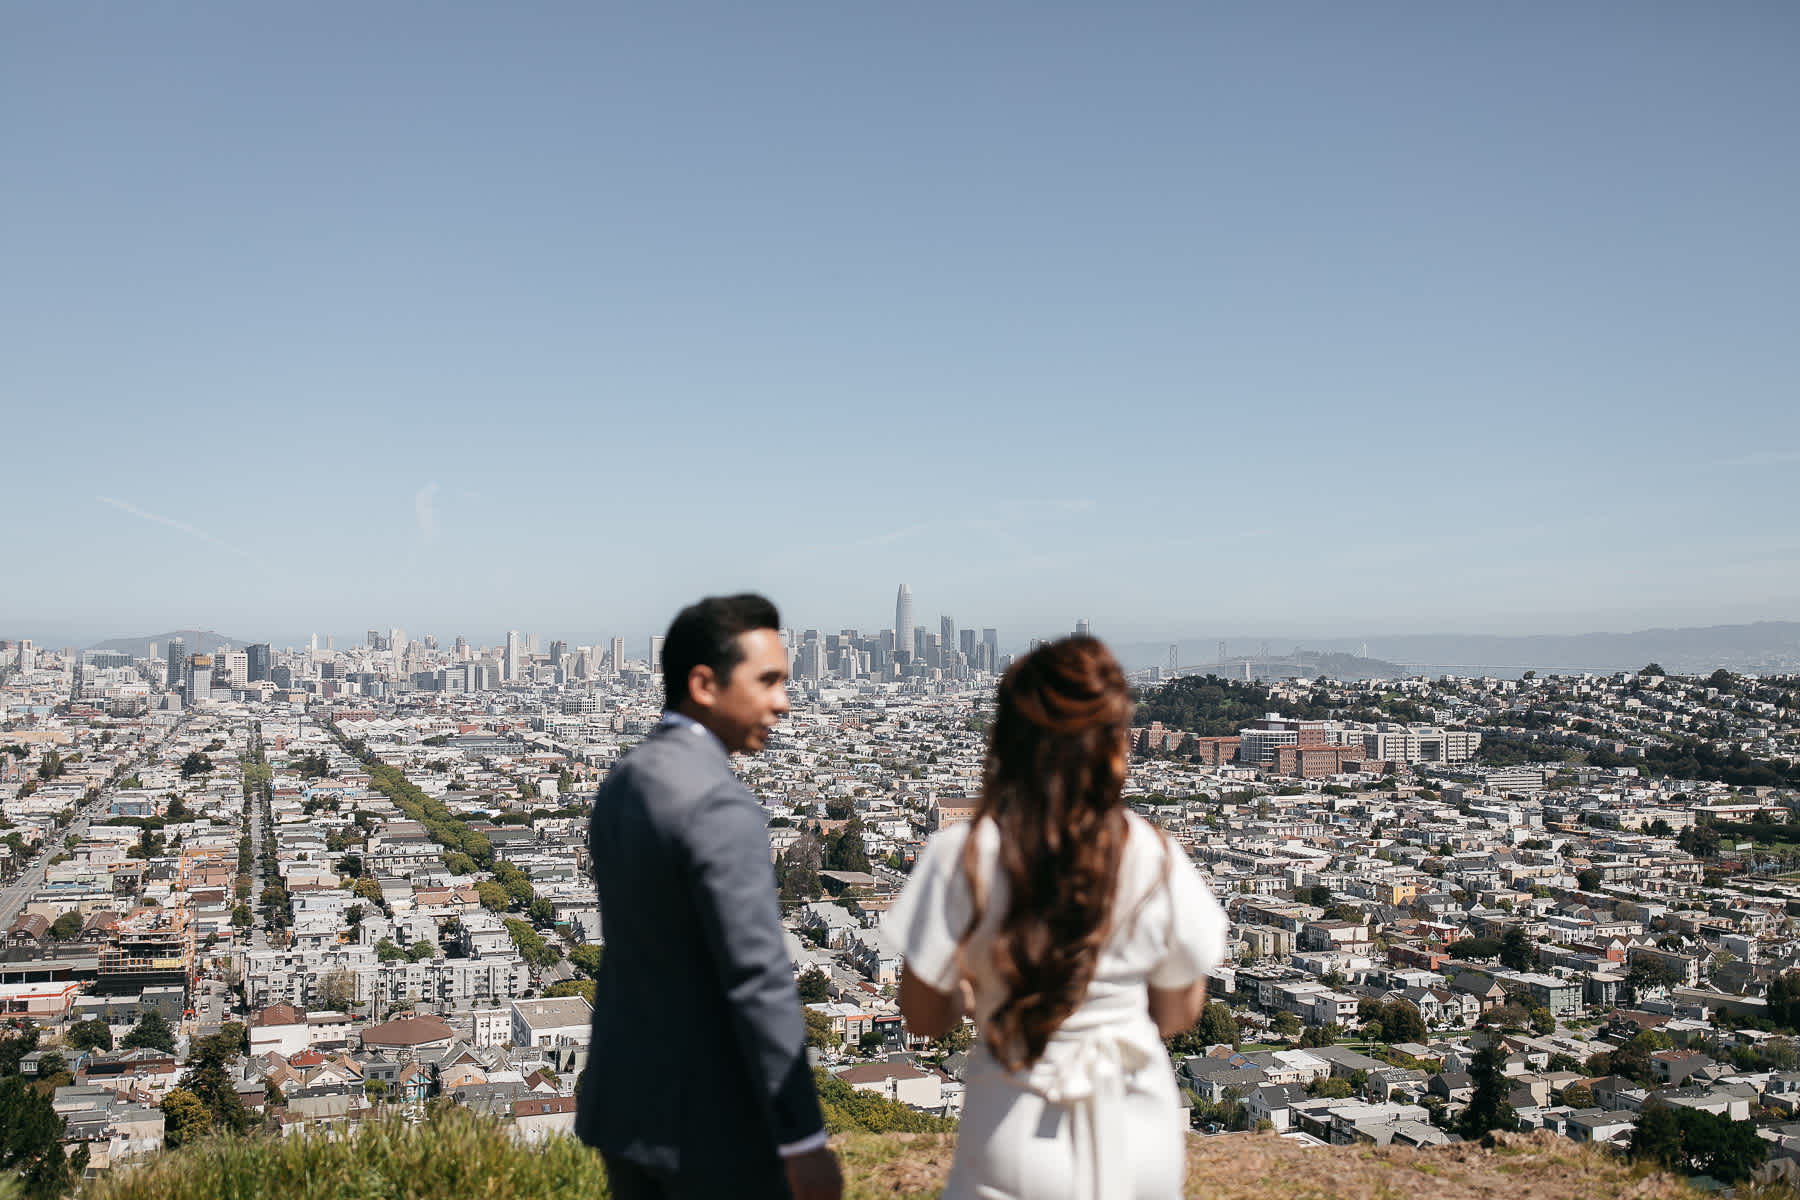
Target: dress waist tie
[(1085, 1067)]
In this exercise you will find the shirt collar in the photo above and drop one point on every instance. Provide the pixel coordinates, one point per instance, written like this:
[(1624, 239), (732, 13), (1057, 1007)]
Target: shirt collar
[(681, 721)]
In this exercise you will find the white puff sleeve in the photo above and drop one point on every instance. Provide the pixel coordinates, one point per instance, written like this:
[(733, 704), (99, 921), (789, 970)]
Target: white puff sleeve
[(1197, 927), (928, 919)]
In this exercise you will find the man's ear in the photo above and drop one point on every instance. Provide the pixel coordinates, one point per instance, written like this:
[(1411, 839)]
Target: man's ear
[(703, 686)]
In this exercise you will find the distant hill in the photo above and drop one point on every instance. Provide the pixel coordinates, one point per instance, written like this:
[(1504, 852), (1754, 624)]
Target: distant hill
[(1764, 647), (199, 641)]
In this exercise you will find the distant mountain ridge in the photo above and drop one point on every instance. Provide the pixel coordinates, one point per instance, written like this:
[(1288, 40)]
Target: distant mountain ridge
[(1764, 646), (198, 641)]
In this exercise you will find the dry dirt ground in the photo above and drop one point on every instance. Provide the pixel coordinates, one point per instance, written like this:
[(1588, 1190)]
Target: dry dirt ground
[(1540, 1166)]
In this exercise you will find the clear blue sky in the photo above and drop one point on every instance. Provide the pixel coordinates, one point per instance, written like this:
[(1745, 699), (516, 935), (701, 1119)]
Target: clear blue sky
[(1185, 318)]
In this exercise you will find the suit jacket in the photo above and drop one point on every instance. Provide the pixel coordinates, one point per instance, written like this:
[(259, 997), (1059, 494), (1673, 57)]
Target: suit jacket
[(698, 1063)]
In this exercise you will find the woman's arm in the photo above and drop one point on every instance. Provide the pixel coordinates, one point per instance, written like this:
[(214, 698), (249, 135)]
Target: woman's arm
[(927, 1011), (1173, 1009)]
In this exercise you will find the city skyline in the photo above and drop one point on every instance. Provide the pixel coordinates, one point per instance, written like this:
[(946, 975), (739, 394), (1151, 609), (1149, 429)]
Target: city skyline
[(1188, 321)]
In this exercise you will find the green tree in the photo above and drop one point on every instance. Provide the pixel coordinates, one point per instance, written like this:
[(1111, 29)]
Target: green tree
[(572, 987), (586, 959), (67, 927), (1287, 1024), (493, 896), (955, 1040), (1329, 1088), (386, 951), (459, 863), (1578, 1095), (18, 1038), (1517, 952), (818, 1030), (542, 912), (31, 1148), (185, 1119), (93, 1034), (1691, 1142), (1470, 949), (421, 950), (1489, 1107), (846, 1108), (1217, 1026), (844, 850), (151, 1032), (194, 764), (1319, 1035), (814, 986), (1401, 1022)]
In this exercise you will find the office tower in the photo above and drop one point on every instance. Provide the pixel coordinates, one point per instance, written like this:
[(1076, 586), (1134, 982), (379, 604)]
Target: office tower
[(461, 649), (152, 649), (509, 665), (258, 657), (372, 639), (200, 671), (177, 662), (618, 655), (903, 619), (1083, 628), (918, 643), (656, 643), (967, 645), (235, 666), (330, 643), (946, 636), (557, 650), (282, 677), (990, 640)]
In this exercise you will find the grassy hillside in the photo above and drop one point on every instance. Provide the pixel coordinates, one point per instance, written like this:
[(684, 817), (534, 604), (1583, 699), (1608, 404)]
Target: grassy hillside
[(459, 1156)]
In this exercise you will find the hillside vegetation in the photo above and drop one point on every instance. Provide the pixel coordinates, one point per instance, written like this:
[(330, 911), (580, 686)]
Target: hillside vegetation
[(459, 1155)]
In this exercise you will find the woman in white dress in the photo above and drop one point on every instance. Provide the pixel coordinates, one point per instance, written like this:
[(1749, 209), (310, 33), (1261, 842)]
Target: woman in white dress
[(1079, 933)]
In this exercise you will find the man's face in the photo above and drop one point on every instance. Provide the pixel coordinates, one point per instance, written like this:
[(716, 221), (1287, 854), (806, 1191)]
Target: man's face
[(753, 698)]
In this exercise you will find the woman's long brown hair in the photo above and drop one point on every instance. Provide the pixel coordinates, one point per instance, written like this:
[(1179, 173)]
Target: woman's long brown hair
[(1051, 785)]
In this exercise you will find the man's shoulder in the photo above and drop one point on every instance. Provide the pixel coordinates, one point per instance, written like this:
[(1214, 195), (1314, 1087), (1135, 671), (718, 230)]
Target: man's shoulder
[(672, 760)]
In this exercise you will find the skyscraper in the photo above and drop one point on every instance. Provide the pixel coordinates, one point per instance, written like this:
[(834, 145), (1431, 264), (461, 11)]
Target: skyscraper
[(990, 638), (509, 665), (177, 662), (259, 662), (618, 655), (200, 667), (1084, 628), (656, 645), (946, 638), (903, 619)]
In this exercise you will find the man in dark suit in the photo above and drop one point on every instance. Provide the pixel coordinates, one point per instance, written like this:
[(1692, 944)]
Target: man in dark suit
[(697, 1080)]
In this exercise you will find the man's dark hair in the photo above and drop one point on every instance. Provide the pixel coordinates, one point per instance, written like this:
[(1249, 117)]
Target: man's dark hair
[(705, 634)]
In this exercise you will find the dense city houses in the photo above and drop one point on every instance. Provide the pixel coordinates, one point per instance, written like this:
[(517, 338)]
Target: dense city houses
[(290, 887)]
